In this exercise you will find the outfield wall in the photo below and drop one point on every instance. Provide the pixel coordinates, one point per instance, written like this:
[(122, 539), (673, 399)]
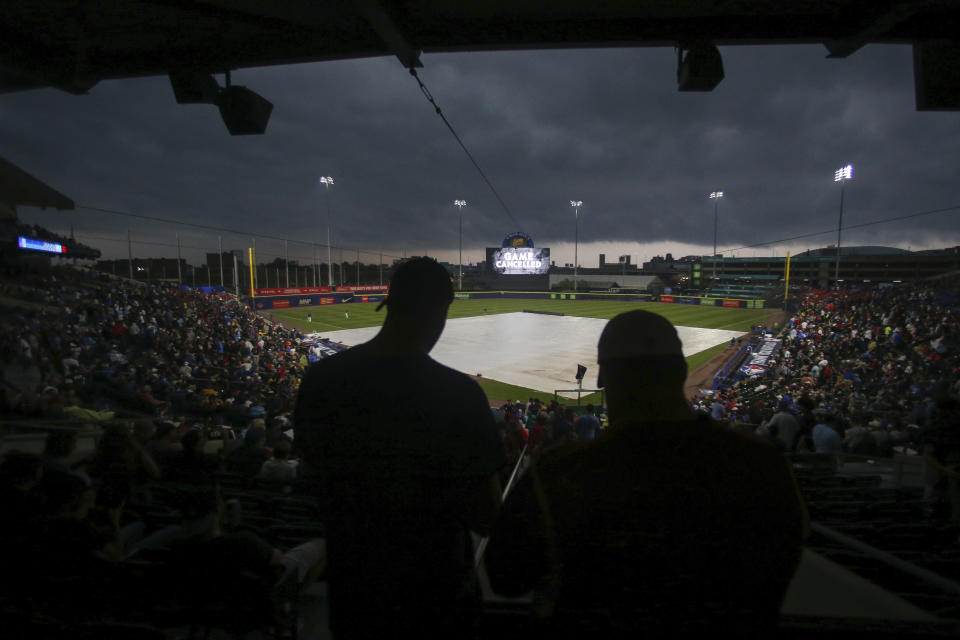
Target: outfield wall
[(549, 295), (733, 303), (316, 300)]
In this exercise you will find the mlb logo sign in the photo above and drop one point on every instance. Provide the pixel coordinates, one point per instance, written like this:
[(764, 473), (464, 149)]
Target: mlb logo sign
[(752, 370)]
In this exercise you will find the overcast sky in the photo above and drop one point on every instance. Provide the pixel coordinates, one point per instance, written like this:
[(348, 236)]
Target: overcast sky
[(607, 127)]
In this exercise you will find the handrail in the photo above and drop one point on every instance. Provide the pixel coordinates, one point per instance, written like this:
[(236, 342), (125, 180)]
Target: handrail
[(925, 575), (513, 475), (482, 544)]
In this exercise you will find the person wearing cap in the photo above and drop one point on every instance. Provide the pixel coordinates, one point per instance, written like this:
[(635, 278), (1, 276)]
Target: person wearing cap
[(666, 523), (407, 453)]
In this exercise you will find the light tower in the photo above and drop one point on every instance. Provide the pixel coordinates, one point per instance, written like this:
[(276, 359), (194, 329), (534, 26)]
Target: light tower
[(460, 204), (841, 175), (715, 196), (327, 181), (576, 204)]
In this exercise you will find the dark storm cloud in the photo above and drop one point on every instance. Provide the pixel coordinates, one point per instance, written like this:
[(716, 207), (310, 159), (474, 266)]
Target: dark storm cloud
[(603, 126)]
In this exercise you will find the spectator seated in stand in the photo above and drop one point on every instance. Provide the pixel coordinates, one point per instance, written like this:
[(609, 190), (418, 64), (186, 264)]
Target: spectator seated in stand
[(165, 445), (248, 458), (219, 557), (279, 469), (191, 463)]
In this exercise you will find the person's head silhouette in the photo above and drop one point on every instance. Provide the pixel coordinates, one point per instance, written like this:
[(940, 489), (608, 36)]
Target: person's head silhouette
[(642, 368), (420, 294)]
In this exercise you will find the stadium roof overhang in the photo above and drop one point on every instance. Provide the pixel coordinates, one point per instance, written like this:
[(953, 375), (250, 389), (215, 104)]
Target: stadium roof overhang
[(19, 188), (74, 45)]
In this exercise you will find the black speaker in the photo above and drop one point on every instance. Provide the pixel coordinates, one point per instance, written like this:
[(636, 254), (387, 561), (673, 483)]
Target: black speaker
[(701, 69), (581, 371), (191, 87), (243, 111)]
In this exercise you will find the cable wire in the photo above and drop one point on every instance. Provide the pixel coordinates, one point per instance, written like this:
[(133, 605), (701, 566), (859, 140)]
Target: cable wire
[(852, 226), (429, 97)]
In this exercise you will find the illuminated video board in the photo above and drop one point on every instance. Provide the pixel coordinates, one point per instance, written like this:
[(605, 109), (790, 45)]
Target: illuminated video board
[(518, 260), (40, 245)]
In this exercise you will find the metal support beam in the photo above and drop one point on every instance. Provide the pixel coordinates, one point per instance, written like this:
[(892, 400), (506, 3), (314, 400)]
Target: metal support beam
[(881, 25), (383, 23)]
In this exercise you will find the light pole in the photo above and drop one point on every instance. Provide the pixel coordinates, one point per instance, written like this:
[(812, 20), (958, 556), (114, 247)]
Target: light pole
[(715, 196), (460, 204), (576, 204), (841, 175), (327, 181)]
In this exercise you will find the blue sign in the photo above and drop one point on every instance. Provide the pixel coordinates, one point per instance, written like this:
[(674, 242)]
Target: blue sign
[(40, 245), (758, 362)]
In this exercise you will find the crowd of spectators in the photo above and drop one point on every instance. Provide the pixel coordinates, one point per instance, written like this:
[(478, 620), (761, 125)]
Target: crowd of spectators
[(861, 372), (163, 369), (157, 371), (78, 346), (540, 426)]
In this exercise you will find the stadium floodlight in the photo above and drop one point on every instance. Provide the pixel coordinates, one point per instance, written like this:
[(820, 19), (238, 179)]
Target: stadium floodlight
[(460, 204), (841, 175), (327, 181), (576, 204), (715, 196)]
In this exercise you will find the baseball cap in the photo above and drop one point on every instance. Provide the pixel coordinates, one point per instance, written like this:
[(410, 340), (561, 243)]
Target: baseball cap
[(419, 282)]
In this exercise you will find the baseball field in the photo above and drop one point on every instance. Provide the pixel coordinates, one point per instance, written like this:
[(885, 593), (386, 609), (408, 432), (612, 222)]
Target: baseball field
[(334, 319)]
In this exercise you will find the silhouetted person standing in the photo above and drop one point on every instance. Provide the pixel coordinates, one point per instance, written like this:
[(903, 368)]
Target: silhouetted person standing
[(407, 454), (667, 523)]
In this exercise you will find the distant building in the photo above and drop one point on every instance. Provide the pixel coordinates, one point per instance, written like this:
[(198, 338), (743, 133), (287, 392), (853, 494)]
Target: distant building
[(621, 266), (817, 267), (666, 265)]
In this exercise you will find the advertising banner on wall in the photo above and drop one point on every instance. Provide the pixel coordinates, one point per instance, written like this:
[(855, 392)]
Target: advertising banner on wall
[(292, 291), (365, 287)]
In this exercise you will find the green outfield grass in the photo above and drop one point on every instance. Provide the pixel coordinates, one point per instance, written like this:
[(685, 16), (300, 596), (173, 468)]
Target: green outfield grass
[(331, 318)]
